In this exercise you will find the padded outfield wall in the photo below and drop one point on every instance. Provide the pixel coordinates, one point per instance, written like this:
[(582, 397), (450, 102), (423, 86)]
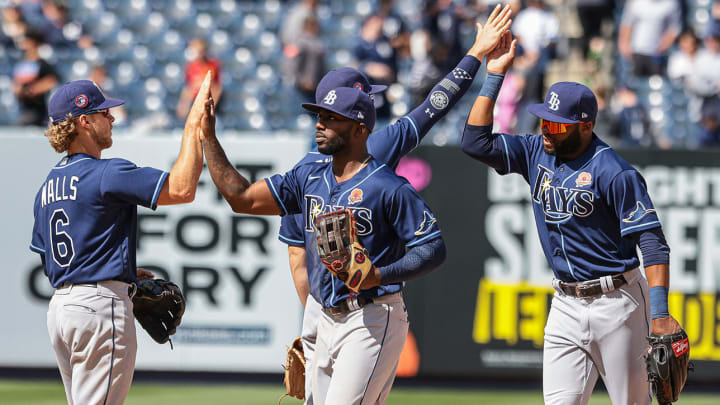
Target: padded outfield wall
[(480, 315)]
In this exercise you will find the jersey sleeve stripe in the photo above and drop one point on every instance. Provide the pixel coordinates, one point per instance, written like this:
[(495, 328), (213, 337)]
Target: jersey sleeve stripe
[(158, 187), (276, 196), (649, 225), (292, 242), (417, 133), (36, 249), (507, 154), (424, 239)]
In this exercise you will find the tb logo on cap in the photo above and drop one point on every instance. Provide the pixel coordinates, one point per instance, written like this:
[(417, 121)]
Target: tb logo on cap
[(554, 102), (330, 98)]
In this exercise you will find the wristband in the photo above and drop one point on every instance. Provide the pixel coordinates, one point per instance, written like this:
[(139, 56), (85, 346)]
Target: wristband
[(491, 86), (659, 302)]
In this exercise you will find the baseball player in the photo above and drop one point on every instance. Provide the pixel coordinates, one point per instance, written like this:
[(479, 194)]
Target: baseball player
[(591, 210), (360, 336), (388, 145), (85, 232)]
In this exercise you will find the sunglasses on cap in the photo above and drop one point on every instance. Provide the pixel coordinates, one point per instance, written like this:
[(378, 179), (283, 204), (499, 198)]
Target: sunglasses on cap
[(554, 127)]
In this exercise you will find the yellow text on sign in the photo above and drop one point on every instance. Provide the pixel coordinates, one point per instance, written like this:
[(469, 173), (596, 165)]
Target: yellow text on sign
[(511, 312), (514, 313)]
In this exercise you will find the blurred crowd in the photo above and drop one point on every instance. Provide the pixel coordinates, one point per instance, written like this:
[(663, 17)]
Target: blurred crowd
[(653, 64)]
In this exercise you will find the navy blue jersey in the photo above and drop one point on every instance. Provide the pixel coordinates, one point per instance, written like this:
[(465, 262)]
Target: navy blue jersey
[(585, 209), (392, 142), (86, 218), (389, 213), (387, 145)]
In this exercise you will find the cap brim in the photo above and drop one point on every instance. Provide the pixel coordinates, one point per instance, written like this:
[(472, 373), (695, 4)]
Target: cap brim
[(540, 110), (317, 108), (377, 88), (110, 103)]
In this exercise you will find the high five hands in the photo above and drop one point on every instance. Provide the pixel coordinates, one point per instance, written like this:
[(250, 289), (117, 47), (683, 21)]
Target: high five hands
[(489, 35)]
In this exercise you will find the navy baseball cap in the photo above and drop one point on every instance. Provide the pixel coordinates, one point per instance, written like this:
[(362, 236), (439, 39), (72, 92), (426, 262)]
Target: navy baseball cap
[(349, 102), (78, 98), (345, 77), (567, 103)]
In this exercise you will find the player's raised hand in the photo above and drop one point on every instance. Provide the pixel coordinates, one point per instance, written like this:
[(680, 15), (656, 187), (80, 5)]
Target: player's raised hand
[(501, 58), (489, 35), (207, 122), (198, 108)]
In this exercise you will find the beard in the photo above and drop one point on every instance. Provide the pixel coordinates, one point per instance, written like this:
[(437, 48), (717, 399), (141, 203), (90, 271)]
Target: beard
[(566, 147), (332, 145), (102, 142)]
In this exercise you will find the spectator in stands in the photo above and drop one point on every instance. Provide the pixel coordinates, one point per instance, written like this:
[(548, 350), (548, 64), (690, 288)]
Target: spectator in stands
[(293, 24), (305, 59), (33, 78), (13, 26), (633, 121), (647, 31), (195, 71), (682, 61), (710, 122), (592, 14), (377, 58), (536, 30), (442, 19), (394, 27), (98, 75), (703, 86), (55, 19)]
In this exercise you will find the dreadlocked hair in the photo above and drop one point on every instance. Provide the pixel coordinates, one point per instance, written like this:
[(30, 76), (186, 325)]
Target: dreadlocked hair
[(62, 134)]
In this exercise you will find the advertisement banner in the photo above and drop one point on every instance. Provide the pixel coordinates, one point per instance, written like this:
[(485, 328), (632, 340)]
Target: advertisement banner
[(483, 312), (242, 308)]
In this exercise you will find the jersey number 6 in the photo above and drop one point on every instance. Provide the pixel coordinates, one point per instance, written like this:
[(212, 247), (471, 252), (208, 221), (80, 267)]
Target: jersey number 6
[(62, 244)]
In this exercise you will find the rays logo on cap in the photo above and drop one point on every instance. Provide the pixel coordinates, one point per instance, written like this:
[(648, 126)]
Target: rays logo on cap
[(81, 100), (330, 98), (554, 102), (358, 85)]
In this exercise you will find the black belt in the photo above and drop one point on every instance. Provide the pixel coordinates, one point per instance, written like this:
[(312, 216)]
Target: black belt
[(589, 288), (343, 307)]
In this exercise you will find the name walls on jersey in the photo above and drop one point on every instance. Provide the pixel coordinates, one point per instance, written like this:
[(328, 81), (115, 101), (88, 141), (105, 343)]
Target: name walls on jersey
[(59, 188), (687, 200), (514, 316), (211, 229), (190, 229)]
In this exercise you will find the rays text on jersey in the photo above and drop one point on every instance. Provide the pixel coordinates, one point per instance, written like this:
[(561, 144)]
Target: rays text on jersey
[(560, 203)]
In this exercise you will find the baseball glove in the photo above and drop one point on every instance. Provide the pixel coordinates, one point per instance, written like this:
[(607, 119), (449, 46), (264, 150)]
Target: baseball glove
[(668, 362), (294, 371), (339, 248), (159, 306)]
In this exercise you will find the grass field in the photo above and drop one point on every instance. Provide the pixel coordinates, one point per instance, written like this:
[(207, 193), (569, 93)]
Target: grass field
[(14, 392)]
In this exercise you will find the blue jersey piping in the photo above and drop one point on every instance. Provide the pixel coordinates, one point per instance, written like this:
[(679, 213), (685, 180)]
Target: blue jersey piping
[(277, 197), (70, 164)]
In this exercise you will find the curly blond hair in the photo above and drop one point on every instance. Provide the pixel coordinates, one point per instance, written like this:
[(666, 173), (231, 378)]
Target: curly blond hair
[(62, 134)]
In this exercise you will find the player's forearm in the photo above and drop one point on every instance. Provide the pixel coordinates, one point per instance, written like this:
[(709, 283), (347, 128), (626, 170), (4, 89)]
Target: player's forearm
[(416, 262), (446, 93), (658, 275), (185, 173), (229, 182), (298, 270)]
